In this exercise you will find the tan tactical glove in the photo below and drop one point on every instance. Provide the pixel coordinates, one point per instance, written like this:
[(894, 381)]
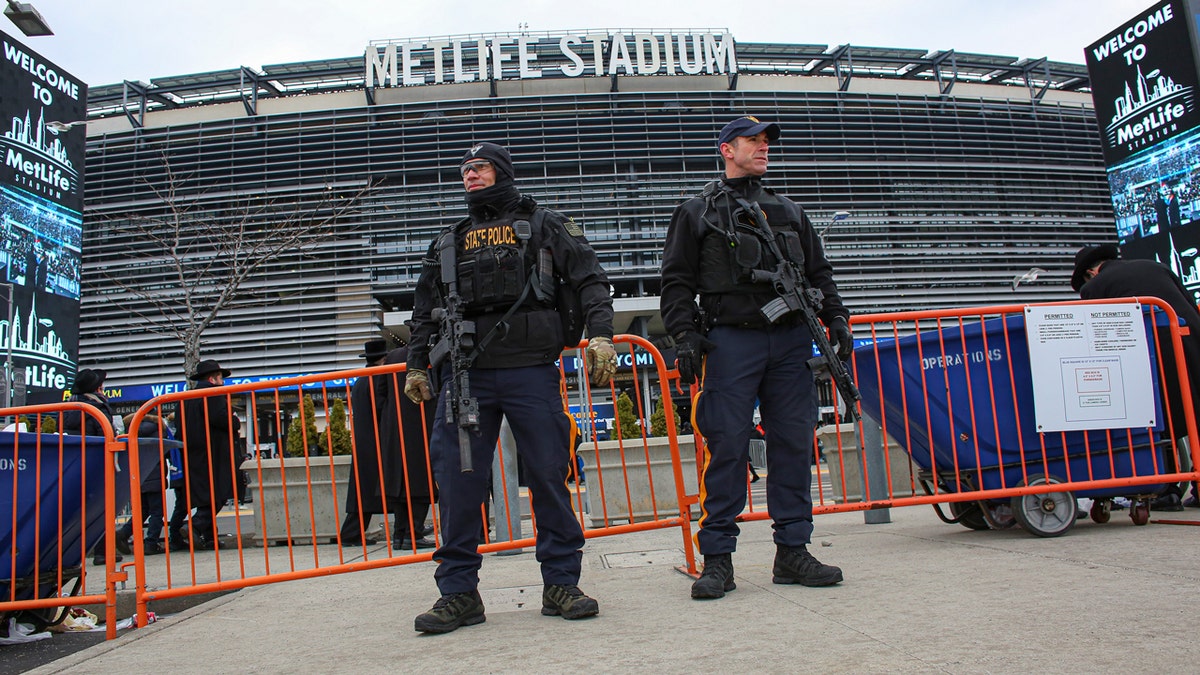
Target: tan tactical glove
[(416, 386), (601, 360)]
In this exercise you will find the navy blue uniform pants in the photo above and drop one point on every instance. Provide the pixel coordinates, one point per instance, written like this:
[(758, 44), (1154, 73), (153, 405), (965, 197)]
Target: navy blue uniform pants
[(770, 364), (530, 398)]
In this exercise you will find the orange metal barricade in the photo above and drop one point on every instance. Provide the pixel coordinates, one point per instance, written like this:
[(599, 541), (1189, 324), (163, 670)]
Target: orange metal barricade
[(635, 480), (1032, 474), (59, 485), (297, 535)]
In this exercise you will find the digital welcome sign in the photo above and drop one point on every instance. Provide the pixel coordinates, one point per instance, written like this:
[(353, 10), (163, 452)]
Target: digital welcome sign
[(1145, 89), (41, 223)]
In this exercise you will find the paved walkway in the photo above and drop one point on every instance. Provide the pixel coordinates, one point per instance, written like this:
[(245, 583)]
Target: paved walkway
[(919, 596)]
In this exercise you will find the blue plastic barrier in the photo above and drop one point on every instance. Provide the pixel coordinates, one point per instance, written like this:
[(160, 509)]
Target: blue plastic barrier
[(39, 498), (978, 369)]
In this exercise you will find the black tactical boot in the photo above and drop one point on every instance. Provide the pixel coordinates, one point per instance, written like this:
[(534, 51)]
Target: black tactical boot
[(450, 612), (716, 578), (568, 602), (798, 566)]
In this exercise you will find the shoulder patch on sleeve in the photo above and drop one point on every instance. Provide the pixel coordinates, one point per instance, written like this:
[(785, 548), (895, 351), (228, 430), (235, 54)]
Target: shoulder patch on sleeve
[(573, 228)]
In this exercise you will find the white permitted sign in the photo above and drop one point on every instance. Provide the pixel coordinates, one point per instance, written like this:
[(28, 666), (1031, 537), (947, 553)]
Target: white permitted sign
[(1090, 367)]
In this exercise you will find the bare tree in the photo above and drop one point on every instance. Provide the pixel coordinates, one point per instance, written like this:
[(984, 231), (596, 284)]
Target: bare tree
[(192, 256)]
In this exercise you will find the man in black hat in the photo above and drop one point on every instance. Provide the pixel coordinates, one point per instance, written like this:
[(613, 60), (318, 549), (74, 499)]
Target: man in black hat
[(390, 466), (1100, 272), (738, 352), (405, 425), (523, 272), (89, 388), (364, 496), (209, 439)]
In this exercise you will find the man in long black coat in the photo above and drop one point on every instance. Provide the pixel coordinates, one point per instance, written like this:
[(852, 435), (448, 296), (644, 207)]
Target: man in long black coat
[(405, 426), (89, 388), (1101, 273), (209, 438), (366, 488), (389, 434)]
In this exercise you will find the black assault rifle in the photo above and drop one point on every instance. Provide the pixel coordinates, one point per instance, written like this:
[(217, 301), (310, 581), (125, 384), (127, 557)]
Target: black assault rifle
[(456, 340), (796, 294)]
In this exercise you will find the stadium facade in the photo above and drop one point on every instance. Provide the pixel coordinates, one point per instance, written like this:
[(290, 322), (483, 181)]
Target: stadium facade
[(960, 171)]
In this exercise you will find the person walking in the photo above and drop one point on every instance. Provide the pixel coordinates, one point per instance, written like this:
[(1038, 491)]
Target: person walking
[(209, 439), (89, 388), (406, 425)]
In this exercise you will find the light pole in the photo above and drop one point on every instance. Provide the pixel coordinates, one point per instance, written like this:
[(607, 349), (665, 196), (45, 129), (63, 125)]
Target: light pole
[(28, 19), (837, 216), (8, 340)]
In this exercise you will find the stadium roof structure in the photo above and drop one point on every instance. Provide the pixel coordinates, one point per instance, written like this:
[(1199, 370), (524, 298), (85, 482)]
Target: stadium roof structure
[(845, 62)]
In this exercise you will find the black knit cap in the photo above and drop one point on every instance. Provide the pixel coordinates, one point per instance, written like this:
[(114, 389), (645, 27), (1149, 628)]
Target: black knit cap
[(496, 154)]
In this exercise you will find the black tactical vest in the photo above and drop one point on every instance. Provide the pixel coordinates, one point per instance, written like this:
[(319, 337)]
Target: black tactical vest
[(492, 265), (733, 246)]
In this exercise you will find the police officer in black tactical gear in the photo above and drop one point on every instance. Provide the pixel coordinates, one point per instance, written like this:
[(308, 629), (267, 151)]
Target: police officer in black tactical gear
[(516, 265), (740, 353)]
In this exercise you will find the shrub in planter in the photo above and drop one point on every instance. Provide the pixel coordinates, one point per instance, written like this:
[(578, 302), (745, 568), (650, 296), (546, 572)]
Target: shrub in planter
[(303, 430), (658, 419), (338, 430), (627, 422)]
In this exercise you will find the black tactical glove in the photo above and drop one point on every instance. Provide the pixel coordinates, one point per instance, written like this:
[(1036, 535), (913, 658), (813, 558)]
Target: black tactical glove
[(690, 348), (841, 337)]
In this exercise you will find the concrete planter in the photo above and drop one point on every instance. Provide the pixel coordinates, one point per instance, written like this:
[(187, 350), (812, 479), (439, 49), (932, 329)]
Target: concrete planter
[(327, 513), (608, 499), (852, 462)]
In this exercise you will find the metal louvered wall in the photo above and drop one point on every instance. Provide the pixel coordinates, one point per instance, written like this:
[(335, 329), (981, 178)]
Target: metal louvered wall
[(951, 195)]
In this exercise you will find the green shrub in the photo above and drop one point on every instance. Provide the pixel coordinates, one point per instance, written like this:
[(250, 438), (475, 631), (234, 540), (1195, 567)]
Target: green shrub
[(299, 433), (658, 419), (338, 429), (627, 422)]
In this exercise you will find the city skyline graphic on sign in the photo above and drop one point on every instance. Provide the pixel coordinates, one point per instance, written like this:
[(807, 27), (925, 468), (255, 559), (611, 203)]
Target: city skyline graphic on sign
[(24, 135), (27, 338), (1152, 89)]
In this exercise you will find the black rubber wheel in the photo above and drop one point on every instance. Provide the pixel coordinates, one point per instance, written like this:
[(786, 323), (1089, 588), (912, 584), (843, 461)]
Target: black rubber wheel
[(1101, 510), (1046, 515), (1139, 512), (969, 515)]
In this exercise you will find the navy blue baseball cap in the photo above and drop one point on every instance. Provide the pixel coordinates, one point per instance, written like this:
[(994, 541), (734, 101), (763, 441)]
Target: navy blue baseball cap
[(747, 126)]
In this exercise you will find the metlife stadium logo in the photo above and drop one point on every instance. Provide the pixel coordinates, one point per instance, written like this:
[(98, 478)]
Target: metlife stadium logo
[(1143, 90)]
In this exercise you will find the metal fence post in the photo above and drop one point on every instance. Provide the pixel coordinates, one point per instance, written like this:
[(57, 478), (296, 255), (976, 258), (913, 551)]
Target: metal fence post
[(506, 491), (875, 470)]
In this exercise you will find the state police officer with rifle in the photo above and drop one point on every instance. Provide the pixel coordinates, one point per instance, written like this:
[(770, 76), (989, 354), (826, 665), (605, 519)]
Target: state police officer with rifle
[(502, 292), (742, 249)]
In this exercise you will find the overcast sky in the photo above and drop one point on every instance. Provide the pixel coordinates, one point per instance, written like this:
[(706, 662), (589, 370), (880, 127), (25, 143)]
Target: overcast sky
[(107, 41)]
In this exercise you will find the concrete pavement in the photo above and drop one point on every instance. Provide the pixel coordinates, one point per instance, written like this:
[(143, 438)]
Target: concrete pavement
[(919, 596)]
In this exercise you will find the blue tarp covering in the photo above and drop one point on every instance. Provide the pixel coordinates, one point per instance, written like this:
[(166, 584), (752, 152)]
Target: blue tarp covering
[(961, 377), (39, 498)]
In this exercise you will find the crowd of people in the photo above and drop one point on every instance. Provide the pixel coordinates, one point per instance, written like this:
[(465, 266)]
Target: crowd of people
[(40, 252), (1156, 206)]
